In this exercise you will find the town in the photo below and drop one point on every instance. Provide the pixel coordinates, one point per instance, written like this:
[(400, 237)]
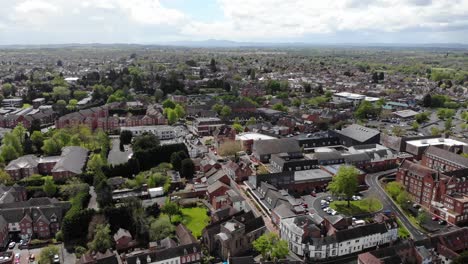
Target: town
[(156, 154)]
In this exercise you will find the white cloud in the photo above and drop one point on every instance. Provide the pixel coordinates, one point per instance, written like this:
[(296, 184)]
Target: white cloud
[(260, 19), (151, 12)]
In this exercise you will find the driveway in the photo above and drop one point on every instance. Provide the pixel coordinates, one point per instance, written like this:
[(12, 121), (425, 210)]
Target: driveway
[(92, 201), (116, 156), (372, 180)]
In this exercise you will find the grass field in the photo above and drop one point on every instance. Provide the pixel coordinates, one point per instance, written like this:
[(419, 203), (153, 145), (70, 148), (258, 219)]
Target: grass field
[(195, 218), (368, 205)]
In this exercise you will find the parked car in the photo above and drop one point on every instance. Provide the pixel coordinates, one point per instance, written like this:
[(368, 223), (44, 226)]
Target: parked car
[(32, 258), (442, 222), (435, 218), (56, 259), (12, 245), (329, 199), (323, 202)]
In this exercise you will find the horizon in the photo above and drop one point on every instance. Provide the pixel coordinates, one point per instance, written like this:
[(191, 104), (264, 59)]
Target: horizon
[(154, 22)]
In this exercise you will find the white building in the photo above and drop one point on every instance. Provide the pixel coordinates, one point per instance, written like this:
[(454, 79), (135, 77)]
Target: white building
[(353, 98), (306, 235), (163, 132)]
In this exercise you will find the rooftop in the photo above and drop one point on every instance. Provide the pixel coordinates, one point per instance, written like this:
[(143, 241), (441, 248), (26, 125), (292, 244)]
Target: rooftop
[(436, 141)]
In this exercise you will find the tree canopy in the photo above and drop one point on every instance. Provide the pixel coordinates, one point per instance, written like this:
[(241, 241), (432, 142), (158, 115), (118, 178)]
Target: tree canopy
[(345, 182)]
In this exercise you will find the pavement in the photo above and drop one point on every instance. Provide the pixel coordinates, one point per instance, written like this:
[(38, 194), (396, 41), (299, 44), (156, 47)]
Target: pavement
[(372, 180), (116, 156), (92, 201)]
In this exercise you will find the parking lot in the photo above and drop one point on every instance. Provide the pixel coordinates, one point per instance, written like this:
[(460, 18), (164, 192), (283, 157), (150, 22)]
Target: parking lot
[(24, 254)]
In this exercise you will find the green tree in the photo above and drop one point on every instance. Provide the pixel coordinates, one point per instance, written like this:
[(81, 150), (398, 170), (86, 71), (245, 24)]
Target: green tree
[(435, 131), (271, 247), (238, 127), (398, 131), (126, 137), (8, 153), (47, 254), (345, 182), (5, 178), (403, 198), (251, 121), (280, 107), (171, 209), (226, 111), (171, 115), (179, 110), (187, 169), (49, 187), (217, 108), (61, 92), (95, 163), (415, 125), (168, 104), (176, 159), (37, 139), (394, 188), (160, 228), (448, 125), (51, 146), (102, 240), (8, 89), (422, 117), (365, 110), (422, 217)]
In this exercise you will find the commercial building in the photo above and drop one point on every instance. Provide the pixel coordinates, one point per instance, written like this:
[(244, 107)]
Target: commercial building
[(163, 132), (354, 135)]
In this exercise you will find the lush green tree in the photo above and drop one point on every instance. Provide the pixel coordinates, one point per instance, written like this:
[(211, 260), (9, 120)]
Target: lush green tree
[(180, 111), (171, 209), (126, 137), (271, 247), (95, 163), (47, 254), (238, 127), (80, 95), (394, 188), (61, 92), (103, 194), (217, 108), (176, 159), (448, 125), (49, 187), (435, 131), (402, 199), (51, 146), (171, 115), (345, 182), (422, 217), (168, 104), (37, 139), (8, 89), (8, 153), (226, 111), (102, 240), (161, 228), (415, 125), (187, 169), (251, 121), (147, 141), (398, 131), (445, 113), (229, 148), (365, 110), (280, 107), (5, 178), (422, 117)]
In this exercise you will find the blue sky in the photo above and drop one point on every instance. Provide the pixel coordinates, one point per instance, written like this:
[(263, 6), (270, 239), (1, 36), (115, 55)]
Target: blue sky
[(159, 21)]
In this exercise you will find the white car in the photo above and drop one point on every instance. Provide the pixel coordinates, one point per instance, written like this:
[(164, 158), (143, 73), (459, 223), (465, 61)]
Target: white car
[(56, 259), (323, 202), (333, 212), (11, 245)]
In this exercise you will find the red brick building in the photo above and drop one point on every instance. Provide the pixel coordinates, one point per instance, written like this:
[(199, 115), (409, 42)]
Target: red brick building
[(444, 194), (443, 160)]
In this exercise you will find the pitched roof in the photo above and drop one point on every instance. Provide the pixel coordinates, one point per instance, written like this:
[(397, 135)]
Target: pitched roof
[(73, 159), (185, 235), (215, 186), (121, 233), (361, 231), (23, 162), (447, 155)]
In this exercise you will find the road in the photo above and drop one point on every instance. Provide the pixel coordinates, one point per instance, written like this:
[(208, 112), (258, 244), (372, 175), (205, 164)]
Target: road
[(372, 180), (92, 201)]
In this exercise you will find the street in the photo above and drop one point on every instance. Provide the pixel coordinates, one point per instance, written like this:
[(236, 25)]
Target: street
[(92, 201), (372, 180)]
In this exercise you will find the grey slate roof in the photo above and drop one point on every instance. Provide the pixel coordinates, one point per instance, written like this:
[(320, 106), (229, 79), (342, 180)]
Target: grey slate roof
[(447, 155), (73, 159), (358, 132), (275, 146)]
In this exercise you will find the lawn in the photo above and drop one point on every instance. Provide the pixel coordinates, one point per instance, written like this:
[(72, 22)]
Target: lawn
[(368, 205), (195, 218)]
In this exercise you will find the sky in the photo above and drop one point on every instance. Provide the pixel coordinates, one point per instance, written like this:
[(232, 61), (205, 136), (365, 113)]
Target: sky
[(279, 21)]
